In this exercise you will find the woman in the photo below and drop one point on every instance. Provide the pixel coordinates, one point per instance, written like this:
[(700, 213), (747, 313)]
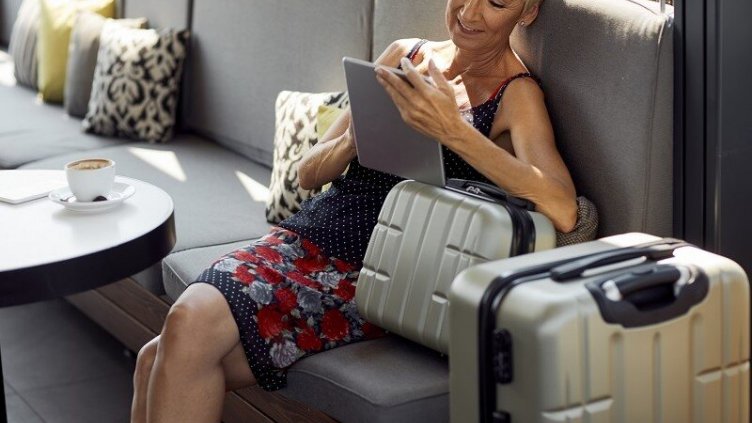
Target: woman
[(290, 294)]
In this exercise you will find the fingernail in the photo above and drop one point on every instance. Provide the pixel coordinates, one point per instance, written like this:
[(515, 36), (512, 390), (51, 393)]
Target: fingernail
[(405, 62)]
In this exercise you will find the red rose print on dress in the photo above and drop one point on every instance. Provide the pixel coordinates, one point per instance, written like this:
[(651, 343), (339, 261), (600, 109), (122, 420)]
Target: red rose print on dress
[(243, 275), (269, 275), (345, 290), (247, 257), (301, 279), (311, 264), (311, 248), (270, 323), (286, 299), (273, 240), (342, 266), (308, 341), (334, 326), (372, 331), (267, 253)]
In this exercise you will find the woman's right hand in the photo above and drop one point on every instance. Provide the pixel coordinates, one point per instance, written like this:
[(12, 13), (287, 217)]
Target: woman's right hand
[(329, 158)]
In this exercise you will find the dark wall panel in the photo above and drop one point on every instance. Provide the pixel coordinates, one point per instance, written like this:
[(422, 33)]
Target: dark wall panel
[(8, 11)]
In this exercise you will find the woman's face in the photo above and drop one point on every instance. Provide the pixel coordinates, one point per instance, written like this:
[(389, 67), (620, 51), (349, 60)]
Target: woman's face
[(482, 24)]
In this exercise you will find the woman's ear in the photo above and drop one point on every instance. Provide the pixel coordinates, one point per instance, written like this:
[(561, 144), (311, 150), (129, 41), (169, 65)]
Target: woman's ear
[(529, 17)]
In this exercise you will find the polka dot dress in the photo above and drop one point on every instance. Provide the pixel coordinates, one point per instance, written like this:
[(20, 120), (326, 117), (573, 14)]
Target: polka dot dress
[(289, 301), (292, 292), (341, 219)]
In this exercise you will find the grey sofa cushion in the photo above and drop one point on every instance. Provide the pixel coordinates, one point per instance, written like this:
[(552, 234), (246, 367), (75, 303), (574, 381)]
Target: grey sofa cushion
[(387, 380), (607, 72), (23, 43), (384, 380), (236, 83), (219, 196), (181, 268), (31, 130)]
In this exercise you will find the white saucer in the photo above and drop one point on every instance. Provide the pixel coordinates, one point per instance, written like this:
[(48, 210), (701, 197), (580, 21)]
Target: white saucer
[(120, 192)]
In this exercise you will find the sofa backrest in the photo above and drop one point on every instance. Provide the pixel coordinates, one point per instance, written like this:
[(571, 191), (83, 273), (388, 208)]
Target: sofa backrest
[(397, 19), (607, 72), (606, 67), (160, 13), (245, 52)]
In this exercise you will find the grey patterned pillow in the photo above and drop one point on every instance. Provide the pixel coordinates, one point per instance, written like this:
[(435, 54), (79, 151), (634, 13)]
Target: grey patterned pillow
[(23, 43), (136, 83), (295, 133), (586, 227)]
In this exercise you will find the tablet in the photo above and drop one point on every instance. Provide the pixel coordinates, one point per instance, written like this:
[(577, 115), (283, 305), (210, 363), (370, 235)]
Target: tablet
[(383, 140)]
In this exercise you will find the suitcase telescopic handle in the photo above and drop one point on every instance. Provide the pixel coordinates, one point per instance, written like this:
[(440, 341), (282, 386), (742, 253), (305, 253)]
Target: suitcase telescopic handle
[(575, 269), (488, 192)]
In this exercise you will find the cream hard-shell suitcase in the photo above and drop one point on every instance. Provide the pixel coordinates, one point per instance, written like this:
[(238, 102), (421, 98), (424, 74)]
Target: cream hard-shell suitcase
[(424, 237), (601, 332)]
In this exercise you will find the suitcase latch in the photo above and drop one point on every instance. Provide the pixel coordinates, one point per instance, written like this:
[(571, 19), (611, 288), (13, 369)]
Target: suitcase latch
[(502, 357)]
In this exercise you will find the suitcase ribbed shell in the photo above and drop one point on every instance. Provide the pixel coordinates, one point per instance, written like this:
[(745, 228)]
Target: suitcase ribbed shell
[(569, 365), (424, 237)]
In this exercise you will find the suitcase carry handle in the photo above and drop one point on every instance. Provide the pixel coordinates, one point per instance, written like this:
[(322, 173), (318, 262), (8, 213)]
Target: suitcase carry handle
[(487, 192), (576, 268), (650, 294), (645, 279)]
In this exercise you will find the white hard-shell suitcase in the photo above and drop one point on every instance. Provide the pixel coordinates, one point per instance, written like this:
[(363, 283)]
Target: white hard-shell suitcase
[(601, 332), (424, 237)]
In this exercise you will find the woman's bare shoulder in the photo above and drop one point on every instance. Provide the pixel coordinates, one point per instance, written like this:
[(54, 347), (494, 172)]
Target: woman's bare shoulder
[(522, 102)]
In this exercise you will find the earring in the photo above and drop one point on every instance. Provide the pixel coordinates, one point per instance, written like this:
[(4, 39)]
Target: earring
[(522, 23)]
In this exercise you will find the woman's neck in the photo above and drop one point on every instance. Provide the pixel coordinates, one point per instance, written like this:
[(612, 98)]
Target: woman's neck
[(475, 64)]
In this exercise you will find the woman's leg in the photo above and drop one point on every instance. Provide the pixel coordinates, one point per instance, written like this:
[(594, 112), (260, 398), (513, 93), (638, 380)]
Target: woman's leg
[(187, 380), (234, 366)]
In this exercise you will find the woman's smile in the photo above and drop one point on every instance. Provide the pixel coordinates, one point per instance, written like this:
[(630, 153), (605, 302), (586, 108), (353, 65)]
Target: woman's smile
[(467, 30)]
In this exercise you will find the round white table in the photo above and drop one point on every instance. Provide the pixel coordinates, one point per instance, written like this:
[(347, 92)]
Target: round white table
[(48, 251)]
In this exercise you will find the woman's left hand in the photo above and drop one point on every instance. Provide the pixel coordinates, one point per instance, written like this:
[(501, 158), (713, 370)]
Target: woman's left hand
[(428, 108)]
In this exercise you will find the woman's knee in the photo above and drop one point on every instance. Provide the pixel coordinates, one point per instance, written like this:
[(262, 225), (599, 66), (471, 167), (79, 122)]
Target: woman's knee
[(145, 360), (200, 314)]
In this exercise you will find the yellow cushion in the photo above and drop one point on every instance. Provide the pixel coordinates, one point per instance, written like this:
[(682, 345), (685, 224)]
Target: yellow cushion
[(56, 19), (325, 117)]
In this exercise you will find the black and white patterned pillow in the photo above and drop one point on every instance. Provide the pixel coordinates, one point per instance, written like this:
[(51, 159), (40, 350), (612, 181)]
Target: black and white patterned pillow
[(295, 133), (136, 83)]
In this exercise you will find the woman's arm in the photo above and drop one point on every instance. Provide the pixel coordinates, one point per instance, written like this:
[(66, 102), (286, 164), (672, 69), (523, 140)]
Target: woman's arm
[(326, 160), (537, 172)]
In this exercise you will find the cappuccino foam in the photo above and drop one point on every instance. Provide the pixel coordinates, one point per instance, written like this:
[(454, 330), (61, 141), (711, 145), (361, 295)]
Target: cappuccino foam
[(90, 164)]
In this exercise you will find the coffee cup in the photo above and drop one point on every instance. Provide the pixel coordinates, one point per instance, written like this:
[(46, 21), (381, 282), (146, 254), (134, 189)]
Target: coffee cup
[(90, 178)]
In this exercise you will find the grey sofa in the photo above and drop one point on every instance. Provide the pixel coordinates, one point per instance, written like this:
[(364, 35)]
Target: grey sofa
[(606, 67)]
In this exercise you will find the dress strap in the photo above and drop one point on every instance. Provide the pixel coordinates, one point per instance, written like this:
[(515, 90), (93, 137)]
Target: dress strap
[(503, 86)]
